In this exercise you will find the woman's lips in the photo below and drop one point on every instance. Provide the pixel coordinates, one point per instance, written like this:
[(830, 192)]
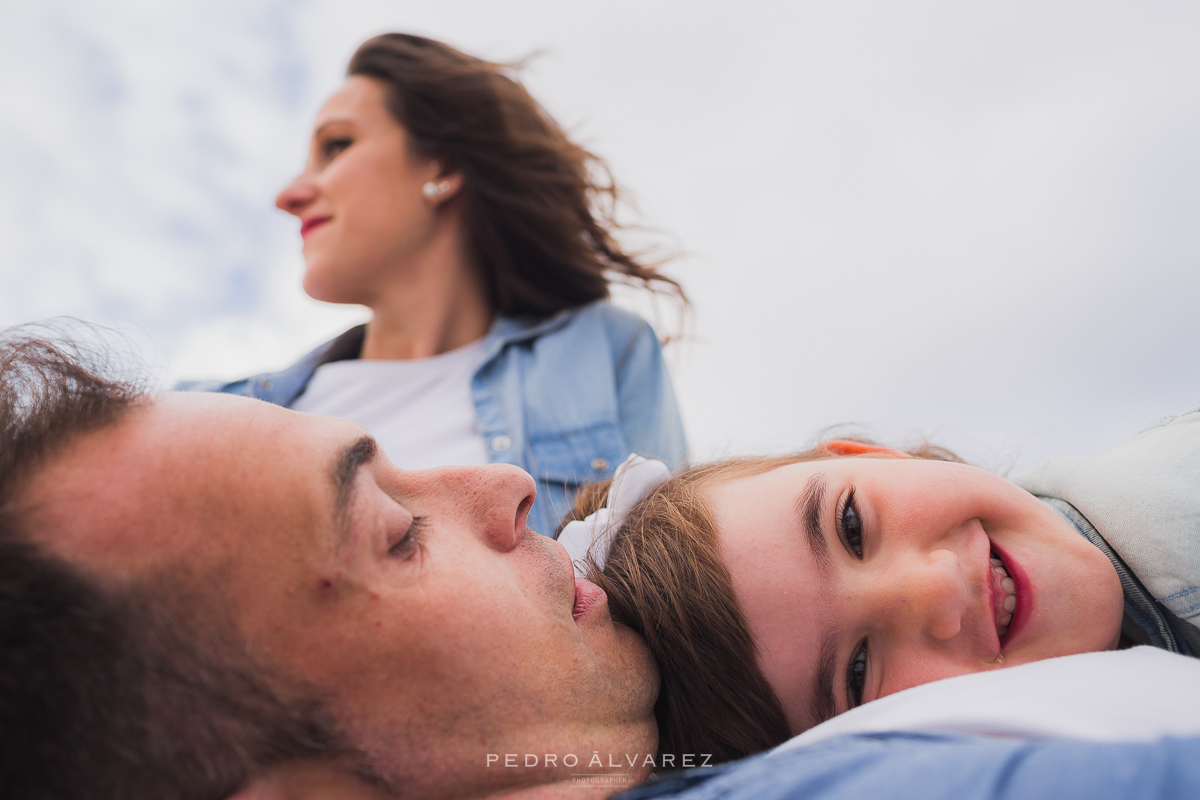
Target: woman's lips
[(588, 596), (309, 225)]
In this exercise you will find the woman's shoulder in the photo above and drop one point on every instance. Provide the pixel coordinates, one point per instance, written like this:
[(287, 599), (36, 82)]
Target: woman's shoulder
[(284, 386), (588, 325), (620, 326), (599, 312)]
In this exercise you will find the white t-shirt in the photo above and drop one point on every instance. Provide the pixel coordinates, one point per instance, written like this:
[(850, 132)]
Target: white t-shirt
[(420, 410)]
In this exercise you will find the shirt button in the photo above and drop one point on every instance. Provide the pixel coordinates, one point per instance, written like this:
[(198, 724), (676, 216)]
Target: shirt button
[(599, 464), (501, 443)]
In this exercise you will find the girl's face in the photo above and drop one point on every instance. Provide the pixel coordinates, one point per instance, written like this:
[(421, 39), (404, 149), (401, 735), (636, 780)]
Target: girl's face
[(862, 576), (359, 199)]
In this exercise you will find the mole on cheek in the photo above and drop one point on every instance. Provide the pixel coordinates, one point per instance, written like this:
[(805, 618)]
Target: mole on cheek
[(327, 583)]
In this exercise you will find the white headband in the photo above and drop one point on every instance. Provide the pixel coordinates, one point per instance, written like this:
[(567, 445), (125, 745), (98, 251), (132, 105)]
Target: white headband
[(591, 536)]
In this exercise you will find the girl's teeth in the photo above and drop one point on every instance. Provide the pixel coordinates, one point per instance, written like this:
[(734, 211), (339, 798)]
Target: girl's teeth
[(1010, 602)]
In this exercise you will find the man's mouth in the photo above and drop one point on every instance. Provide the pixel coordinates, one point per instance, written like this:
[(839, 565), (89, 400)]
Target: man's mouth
[(1004, 596), (587, 596)]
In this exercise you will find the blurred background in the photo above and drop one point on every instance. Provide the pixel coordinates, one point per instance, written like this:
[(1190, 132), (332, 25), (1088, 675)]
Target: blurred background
[(979, 225)]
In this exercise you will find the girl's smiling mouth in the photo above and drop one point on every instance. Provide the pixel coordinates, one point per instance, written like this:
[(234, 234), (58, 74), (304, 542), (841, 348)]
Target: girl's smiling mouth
[(1004, 596), (1011, 598)]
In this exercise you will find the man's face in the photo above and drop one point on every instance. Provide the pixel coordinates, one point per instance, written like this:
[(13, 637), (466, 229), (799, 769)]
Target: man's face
[(439, 626)]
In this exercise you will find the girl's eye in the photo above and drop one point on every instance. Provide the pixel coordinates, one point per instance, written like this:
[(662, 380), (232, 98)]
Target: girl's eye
[(410, 543), (856, 675), (849, 525), (331, 147)]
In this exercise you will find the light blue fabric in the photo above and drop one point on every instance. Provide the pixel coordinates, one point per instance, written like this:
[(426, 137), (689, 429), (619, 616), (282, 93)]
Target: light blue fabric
[(566, 398), (909, 766)]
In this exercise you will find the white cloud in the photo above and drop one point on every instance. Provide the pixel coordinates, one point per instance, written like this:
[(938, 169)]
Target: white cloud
[(974, 222)]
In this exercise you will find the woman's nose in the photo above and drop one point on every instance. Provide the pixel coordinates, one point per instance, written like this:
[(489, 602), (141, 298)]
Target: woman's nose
[(930, 594), (294, 197), (493, 500)]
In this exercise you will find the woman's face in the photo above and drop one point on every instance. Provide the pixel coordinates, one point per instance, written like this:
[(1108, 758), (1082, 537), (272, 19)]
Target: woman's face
[(862, 576), (359, 200)]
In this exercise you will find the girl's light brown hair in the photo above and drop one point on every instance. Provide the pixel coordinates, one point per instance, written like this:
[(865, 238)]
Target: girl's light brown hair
[(665, 578), (540, 208)]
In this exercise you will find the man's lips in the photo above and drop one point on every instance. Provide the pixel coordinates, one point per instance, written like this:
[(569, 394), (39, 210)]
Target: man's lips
[(588, 596), (311, 224)]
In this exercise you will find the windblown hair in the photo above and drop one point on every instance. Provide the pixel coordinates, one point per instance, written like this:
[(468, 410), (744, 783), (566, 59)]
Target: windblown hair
[(113, 689), (540, 208), (665, 578)]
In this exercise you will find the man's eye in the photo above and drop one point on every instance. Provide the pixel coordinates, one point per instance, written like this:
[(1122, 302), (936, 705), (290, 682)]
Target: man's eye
[(849, 525), (410, 543), (331, 147), (856, 675)]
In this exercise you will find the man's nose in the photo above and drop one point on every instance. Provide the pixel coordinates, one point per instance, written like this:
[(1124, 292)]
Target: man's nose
[(928, 594), (294, 197), (497, 499)]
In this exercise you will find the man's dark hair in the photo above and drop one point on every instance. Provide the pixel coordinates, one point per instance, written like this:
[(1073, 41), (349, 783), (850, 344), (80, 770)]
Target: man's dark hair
[(131, 689)]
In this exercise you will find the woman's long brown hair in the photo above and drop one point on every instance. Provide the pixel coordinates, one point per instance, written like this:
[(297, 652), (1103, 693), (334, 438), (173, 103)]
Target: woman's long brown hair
[(539, 207)]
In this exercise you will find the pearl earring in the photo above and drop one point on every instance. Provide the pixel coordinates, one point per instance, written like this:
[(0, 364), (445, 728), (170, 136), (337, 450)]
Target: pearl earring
[(433, 191)]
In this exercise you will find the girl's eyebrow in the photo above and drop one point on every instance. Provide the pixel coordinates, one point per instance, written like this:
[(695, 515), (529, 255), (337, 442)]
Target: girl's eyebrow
[(821, 703), (808, 512)]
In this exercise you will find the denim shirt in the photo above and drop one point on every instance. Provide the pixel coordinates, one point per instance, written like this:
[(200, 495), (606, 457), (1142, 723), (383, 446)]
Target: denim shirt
[(566, 398), (1140, 504)]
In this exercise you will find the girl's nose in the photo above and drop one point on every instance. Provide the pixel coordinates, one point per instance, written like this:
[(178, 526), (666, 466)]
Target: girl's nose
[(930, 595)]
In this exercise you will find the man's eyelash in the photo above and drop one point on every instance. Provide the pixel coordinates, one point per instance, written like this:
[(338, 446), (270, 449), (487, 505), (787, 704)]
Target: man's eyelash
[(412, 540), (849, 526), (856, 675)]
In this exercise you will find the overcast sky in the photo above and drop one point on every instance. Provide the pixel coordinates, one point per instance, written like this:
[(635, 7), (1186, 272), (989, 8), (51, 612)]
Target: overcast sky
[(977, 224)]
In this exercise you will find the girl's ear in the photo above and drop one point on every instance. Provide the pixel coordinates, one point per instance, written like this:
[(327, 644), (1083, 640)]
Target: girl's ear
[(846, 447)]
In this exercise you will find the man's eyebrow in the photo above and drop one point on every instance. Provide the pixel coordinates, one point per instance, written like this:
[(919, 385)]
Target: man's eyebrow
[(821, 705), (361, 451), (808, 510)]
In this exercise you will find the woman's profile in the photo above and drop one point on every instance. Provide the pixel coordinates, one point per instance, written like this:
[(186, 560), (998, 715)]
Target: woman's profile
[(440, 195)]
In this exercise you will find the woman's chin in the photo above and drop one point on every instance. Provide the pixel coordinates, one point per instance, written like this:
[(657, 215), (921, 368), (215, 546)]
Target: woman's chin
[(320, 285)]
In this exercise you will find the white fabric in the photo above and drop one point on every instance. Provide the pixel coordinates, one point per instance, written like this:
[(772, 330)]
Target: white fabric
[(420, 410), (1140, 694), (1144, 499), (591, 536)]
